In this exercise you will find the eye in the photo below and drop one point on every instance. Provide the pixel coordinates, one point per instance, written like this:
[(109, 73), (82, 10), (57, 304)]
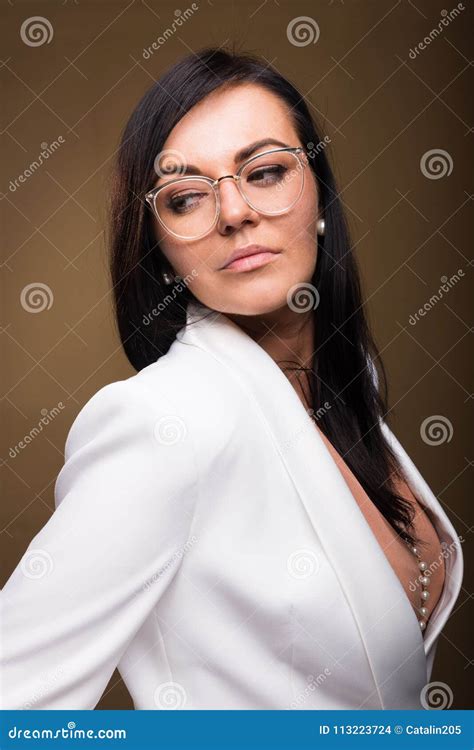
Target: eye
[(181, 203), (268, 175)]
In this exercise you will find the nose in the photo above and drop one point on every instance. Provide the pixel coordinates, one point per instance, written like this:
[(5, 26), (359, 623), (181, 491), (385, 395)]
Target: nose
[(235, 211)]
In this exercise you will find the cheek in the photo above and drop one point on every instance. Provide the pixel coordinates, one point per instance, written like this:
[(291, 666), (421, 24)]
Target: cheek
[(301, 221), (310, 201), (182, 256)]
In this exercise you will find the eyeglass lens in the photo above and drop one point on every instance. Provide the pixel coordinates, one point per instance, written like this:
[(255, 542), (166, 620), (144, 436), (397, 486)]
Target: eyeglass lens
[(271, 183)]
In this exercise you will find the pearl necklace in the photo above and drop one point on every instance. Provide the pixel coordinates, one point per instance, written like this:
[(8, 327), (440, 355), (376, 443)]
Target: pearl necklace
[(425, 582)]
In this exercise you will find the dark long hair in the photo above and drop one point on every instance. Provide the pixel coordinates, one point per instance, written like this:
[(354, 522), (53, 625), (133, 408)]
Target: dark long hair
[(344, 347)]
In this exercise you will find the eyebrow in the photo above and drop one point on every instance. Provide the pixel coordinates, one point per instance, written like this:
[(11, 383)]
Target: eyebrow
[(242, 155)]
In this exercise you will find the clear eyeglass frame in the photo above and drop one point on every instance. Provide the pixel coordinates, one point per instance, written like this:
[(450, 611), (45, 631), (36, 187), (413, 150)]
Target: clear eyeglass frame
[(300, 158)]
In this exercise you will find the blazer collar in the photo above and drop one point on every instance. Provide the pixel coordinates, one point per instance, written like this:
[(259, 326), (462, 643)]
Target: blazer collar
[(382, 610)]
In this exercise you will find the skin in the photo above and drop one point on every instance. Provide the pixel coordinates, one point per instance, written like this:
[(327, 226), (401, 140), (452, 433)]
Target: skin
[(255, 299)]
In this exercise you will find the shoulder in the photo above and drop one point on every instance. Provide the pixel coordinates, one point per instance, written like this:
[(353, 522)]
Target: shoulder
[(128, 447), (118, 408), (200, 388), (186, 399)]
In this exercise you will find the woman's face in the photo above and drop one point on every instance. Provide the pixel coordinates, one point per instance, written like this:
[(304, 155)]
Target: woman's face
[(209, 136)]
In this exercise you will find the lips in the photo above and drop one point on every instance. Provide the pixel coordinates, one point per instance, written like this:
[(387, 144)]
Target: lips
[(246, 252)]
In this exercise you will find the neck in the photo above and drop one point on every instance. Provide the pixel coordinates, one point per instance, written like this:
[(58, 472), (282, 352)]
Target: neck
[(288, 337)]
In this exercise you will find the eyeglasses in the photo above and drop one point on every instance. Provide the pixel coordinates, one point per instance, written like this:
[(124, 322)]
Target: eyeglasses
[(270, 183)]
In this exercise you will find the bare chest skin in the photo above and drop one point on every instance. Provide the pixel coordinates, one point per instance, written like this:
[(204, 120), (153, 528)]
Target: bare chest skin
[(401, 559)]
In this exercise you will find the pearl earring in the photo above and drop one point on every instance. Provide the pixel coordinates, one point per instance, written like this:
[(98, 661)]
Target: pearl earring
[(320, 226), (168, 278)]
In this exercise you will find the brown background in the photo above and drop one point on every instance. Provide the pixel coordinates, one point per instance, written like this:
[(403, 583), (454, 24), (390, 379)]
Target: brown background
[(382, 111)]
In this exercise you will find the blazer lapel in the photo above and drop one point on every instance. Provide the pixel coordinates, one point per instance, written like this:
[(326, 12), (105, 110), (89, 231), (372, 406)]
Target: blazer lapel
[(450, 543), (385, 619)]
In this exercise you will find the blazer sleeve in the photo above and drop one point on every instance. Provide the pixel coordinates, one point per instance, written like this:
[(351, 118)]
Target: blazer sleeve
[(124, 507)]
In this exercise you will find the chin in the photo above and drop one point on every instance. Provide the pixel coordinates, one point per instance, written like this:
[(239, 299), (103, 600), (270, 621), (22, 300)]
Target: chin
[(260, 302)]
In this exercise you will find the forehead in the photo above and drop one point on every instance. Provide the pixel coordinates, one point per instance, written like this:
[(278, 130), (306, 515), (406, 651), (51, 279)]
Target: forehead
[(228, 120)]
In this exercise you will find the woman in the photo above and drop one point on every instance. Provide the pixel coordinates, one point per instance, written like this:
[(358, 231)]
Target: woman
[(236, 526)]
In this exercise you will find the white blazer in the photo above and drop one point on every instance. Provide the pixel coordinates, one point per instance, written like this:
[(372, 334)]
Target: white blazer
[(206, 544)]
